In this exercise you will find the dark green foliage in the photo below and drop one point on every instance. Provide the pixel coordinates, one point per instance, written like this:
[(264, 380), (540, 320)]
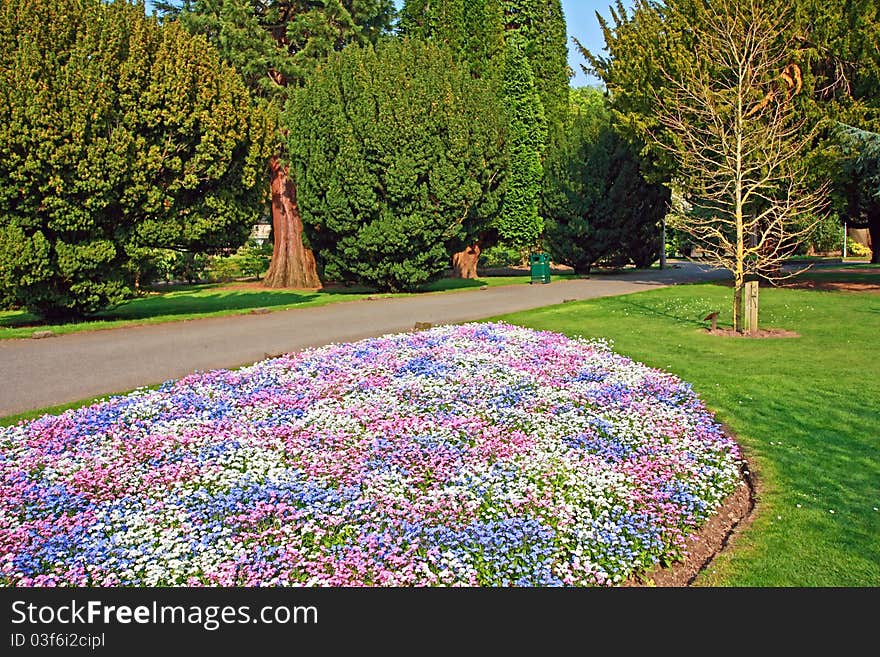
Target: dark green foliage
[(598, 205), (520, 224), (279, 42), (859, 180), (520, 47), (472, 29), (116, 134), (399, 157)]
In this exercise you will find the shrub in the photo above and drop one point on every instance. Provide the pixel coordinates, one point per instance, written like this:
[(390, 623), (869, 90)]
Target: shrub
[(857, 249), (399, 159), (501, 256), (117, 134)]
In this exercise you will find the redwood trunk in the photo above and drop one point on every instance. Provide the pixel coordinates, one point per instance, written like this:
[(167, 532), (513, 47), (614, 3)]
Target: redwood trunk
[(293, 265), (464, 263)]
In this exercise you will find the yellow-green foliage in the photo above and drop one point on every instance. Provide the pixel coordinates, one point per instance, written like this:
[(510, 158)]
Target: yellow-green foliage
[(116, 133)]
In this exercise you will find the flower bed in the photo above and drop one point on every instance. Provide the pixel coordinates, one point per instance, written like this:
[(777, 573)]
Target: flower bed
[(483, 454)]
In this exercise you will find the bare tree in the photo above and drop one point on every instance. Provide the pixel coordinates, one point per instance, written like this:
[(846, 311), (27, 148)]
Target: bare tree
[(729, 122)]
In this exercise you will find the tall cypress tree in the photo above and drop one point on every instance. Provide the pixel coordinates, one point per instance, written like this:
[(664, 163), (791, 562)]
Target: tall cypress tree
[(472, 29), (519, 224), (541, 26), (534, 71), (275, 44)]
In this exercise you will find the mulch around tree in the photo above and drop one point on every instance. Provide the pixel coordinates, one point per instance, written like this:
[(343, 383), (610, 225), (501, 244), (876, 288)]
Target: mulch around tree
[(761, 333)]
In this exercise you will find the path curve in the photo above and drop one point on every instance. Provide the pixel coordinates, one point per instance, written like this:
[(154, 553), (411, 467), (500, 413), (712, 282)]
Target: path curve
[(41, 373)]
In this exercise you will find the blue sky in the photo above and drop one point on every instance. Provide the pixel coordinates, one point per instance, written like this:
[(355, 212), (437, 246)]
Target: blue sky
[(580, 15)]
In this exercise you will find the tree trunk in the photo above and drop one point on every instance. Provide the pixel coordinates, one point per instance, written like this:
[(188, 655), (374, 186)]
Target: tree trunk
[(874, 232), (738, 285), (464, 263), (582, 270), (293, 265)]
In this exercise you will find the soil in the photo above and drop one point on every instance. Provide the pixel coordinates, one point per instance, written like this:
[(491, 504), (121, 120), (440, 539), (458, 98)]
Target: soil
[(712, 539), (762, 333)]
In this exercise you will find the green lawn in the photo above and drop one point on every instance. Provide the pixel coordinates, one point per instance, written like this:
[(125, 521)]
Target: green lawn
[(806, 410), (214, 300)]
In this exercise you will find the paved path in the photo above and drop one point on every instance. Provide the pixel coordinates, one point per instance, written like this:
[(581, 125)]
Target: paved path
[(67, 368)]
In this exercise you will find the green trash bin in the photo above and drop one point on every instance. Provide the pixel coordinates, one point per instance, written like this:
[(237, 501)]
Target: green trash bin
[(539, 263)]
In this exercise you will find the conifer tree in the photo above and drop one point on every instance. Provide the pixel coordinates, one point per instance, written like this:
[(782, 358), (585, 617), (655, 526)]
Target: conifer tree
[(598, 204), (116, 134), (534, 70), (540, 24), (399, 154), (472, 29), (275, 45), (519, 224)]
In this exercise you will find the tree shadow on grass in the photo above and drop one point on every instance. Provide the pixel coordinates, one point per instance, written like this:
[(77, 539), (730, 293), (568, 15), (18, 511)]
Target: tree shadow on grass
[(660, 310), (199, 304), (14, 319)]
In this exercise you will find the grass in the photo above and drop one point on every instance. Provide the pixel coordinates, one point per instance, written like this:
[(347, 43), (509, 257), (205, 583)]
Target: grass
[(216, 300), (805, 409)]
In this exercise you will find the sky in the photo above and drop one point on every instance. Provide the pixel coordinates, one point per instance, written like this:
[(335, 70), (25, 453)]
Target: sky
[(580, 16)]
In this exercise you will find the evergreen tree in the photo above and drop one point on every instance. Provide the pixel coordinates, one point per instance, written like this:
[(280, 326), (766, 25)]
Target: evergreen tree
[(275, 44), (520, 224), (400, 157), (540, 24), (116, 135), (598, 204), (859, 176), (472, 29), (842, 42), (534, 32)]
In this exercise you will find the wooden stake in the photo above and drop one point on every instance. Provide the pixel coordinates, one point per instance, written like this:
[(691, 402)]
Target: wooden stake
[(752, 307)]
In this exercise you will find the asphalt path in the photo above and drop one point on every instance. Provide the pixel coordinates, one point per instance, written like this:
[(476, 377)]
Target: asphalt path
[(67, 368)]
